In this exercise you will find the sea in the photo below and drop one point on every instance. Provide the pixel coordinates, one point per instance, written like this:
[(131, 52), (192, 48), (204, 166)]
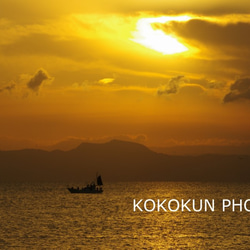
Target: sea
[(125, 216)]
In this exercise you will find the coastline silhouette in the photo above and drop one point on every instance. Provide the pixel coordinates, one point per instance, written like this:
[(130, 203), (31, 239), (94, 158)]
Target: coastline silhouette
[(120, 161)]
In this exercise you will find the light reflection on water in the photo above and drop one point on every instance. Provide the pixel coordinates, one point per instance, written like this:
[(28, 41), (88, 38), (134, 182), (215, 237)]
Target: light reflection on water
[(47, 216)]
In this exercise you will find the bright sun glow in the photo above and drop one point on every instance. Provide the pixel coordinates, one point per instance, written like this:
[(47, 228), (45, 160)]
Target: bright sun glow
[(157, 39)]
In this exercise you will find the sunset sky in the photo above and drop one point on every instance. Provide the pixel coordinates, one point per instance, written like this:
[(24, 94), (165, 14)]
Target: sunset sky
[(156, 72)]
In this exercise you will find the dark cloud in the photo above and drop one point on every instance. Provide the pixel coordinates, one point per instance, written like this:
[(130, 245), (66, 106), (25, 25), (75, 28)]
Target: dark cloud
[(231, 35), (37, 10), (209, 84), (172, 86), (8, 88), (37, 80), (240, 89), (213, 84), (218, 41)]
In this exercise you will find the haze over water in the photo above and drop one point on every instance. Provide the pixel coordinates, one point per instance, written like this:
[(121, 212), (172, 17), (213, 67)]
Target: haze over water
[(47, 216)]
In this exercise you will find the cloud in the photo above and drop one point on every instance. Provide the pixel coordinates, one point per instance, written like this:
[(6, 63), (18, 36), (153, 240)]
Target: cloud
[(105, 81), (227, 36), (172, 86), (240, 89), (215, 84), (38, 79), (39, 11), (138, 138), (209, 84), (8, 87), (216, 33)]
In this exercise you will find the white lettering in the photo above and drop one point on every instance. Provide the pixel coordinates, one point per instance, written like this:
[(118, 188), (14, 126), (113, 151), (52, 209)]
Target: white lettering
[(160, 205), (136, 205), (197, 210), (237, 204), (245, 205), (225, 203), (145, 205), (211, 206), (184, 205), (190, 205), (177, 207)]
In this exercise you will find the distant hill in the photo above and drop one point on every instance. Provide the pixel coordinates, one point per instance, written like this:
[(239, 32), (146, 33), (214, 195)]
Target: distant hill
[(10, 143), (64, 145), (203, 149), (119, 161)]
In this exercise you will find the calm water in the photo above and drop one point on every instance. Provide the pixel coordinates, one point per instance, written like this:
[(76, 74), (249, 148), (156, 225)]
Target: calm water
[(47, 216)]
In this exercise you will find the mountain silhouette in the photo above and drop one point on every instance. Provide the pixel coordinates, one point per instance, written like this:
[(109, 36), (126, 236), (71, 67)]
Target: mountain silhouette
[(119, 161)]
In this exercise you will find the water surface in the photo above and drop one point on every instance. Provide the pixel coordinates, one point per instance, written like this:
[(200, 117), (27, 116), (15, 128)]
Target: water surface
[(47, 216)]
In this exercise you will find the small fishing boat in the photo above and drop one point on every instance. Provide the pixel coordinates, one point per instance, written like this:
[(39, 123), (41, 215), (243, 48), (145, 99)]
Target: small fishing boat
[(92, 188)]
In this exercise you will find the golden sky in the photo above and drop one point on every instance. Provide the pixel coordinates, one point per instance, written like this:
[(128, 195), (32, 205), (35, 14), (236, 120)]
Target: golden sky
[(157, 72)]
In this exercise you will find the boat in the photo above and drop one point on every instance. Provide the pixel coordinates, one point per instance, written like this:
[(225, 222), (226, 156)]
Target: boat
[(92, 188)]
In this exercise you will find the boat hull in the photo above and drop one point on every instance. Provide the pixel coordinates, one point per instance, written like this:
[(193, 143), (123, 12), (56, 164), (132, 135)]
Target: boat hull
[(85, 191)]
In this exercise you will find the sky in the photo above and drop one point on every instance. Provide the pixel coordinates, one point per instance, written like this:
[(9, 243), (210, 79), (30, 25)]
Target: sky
[(161, 73)]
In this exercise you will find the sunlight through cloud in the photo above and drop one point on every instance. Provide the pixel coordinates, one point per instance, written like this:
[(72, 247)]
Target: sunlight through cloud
[(157, 39)]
